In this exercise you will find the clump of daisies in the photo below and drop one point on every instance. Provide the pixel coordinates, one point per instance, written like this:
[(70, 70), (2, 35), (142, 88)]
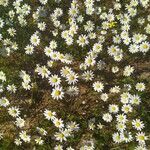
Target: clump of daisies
[(105, 39), (65, 131)]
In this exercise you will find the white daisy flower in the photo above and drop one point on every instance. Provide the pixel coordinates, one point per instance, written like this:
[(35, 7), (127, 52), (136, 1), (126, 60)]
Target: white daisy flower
[(82, 40), (20, 122), (107, 117), (140, 86), (57, 93), (113, 108), (121, 118), (98, 86), (35, 40), (138, 124), (54, 80), (4, 102), (141, 138), (14, 111), (58, 123), (49, 115), (39, 141), (72, 78), (23, 135)]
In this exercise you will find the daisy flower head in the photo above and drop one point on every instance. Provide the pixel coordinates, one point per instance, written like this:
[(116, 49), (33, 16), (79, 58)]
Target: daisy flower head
[(135, 100), (89, 26), (92, 35), (12, 32), (97, 47), (58, 12), (72, 90), (138, 124), (99, 125), (47, 51), (29, 49), (127, 87), (90, 61), (20, 122), (67, 45), (44, 72), (12, 88), (82, 40), (50, 63), (125, 97), (141, 138), (101, 65), (107, 117), (113, 108), (73, 126), (39, 141), (24, 136), (26, 86), (26, 77), (4, 102), (133, 48), (35, 40), (53, 44), (121, 126), (91, 125), (98, 86), (126, 108), (69, 40), (41, 131), (67, 58), (65, 71), (144, 47), (60, 136), (14, 111), (54, 55), (115, 89), (117, 138), (121, 118), (128, 70), (88, 75), (117, 39), (73, 11), (72, 78), (113, 50), (49, 115), (83, 66), (57, 93), (140, 87), (42, 26), (58, 123), (2, 76), (115, 69), (18, 142), (104, 97), (118, 57), (54, 80), (137, 38)]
